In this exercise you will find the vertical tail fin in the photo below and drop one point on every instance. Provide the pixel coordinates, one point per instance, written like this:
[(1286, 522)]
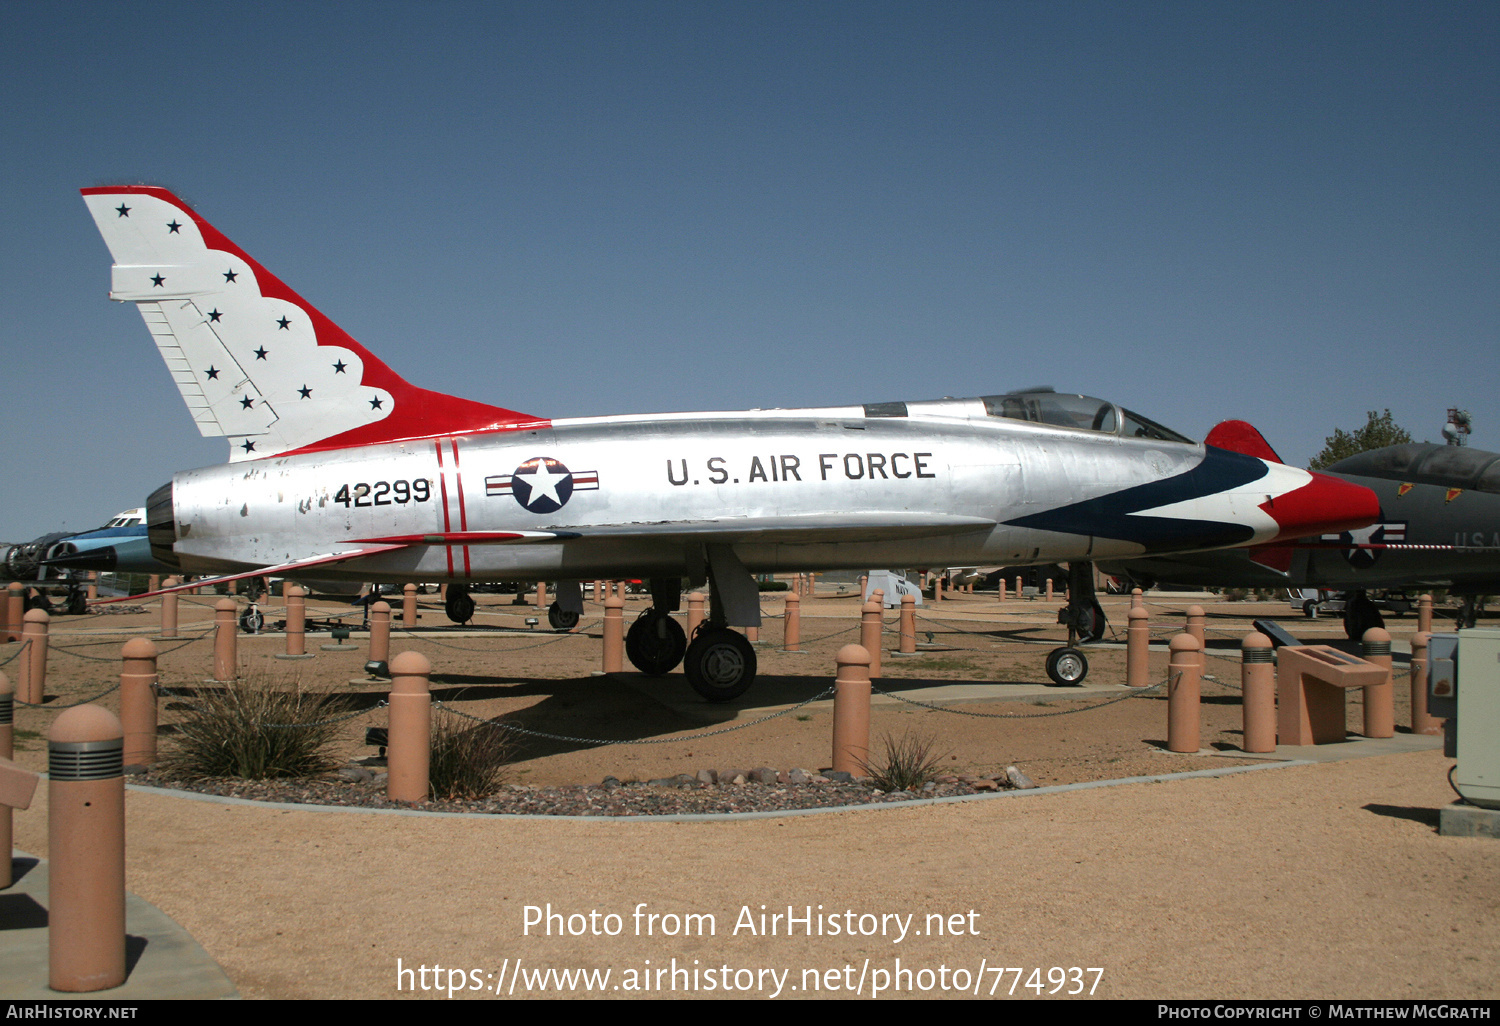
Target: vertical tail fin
[(254, 361)]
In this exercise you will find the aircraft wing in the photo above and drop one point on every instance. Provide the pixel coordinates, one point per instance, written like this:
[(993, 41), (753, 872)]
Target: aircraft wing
[(280, 570)]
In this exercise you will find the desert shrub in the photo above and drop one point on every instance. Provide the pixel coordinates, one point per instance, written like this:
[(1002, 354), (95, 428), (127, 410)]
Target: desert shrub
[(468, 758), (909, 763), (255, 730)]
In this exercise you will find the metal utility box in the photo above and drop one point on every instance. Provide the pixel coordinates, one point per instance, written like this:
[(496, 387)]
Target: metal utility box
[(1463, 684)]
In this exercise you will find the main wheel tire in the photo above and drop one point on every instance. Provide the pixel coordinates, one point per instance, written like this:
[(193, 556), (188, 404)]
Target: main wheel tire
[(720, 664), (1310, 609), (560, 619), (252, 620), (655, 643), (459, 605), (1067, 666), (78, 603)]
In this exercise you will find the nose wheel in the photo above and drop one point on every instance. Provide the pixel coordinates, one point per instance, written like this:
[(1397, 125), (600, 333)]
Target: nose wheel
[(1067, 666), (720, 664), (459, 605)]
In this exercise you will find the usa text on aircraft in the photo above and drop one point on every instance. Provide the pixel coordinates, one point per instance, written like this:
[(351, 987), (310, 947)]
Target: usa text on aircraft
[(336, 462)]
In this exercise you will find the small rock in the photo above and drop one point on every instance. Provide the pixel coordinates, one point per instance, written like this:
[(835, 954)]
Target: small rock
[(1018, 779), (708, 776), (355, 774), (610, 783), (763, 775), (739, 778), (839, 776), (799, 776), (683, 780), (985, 785)]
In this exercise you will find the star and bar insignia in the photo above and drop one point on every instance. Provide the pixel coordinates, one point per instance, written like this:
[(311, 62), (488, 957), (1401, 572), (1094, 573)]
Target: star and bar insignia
[(542, 484)]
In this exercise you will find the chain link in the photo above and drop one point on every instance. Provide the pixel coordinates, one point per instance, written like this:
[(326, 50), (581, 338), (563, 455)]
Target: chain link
[(581, 631), (1134, 693), (70, 705)]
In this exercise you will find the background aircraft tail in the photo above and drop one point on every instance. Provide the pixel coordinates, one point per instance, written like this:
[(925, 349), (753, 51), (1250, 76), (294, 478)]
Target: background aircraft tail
[(254, 361)]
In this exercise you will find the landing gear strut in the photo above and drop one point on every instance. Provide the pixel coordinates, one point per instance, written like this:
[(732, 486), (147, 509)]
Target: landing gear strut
[(1360, 614), (1085, 620)]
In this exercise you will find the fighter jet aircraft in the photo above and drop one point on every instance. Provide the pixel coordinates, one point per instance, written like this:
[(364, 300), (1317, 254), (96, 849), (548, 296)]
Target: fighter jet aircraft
[(338, 463), (55, 559), (1439, 526)]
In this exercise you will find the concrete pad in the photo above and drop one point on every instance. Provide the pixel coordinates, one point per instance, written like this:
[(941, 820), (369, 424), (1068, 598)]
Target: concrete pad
[(162, 961), (1355, 748), (1469, 821)]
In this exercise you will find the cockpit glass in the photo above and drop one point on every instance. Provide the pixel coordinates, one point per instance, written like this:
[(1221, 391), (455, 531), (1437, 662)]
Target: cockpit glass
[(1137, 426), (1077, 411), (1070, 411)]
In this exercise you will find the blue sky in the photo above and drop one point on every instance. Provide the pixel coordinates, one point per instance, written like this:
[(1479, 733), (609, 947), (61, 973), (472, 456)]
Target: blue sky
[(1279, 212)]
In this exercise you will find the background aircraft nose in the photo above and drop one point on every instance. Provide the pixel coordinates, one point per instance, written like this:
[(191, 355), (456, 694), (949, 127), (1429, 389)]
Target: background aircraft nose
[(1324, 505)]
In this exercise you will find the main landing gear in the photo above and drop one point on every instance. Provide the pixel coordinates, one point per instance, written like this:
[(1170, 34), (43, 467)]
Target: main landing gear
[(719, 663), (1085, 620), (655, 643)]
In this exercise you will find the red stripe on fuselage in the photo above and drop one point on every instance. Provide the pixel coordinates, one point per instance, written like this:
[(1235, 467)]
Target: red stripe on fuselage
[(443, 491), (463, 516)]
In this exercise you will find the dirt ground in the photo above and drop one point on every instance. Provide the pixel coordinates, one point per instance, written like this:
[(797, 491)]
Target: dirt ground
[(1316, 881)]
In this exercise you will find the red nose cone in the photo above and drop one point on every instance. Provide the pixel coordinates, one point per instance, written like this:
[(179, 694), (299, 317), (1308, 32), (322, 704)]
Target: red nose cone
[(1325, 505)]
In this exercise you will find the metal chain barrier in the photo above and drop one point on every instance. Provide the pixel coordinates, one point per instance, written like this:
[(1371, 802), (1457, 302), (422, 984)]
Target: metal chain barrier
[(637, 741), (70, 705), (16, 654), (1134, 693), (581, 631)]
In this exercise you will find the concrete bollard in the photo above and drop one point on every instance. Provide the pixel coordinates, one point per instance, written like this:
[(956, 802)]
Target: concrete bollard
[(937, 588), (908, 624), (1049, 589), (851, 710), (380, 637), (1380, 699), (1422, 721), (1138, 649), (1424, 614), (7, 751), (409, 734), (86, 842), (1136, 598), (541, 594), (864, 582), (226, 660), (409, 606), (33, 675), (1018, 585), (870, 625), (296, 622), (153, 583), (1185, 671), (695, 611), (752, 635), (169, 611), (1002, 589), (138, 701), (614, 634), (599, 591), (792, 624), (1258, 693), (1195, 618), (92, 592), (15, 610)]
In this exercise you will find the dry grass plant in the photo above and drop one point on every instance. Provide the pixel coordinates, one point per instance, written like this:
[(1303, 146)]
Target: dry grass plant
[(255, 729), (468, 758), (909, 763)]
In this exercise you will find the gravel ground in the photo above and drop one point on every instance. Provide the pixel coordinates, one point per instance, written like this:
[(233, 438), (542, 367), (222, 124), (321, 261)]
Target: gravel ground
[(1319, 881)]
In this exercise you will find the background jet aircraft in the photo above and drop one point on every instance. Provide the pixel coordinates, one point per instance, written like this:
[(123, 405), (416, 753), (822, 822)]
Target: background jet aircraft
[(339, 464), (1439, 526), (55, 559)]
